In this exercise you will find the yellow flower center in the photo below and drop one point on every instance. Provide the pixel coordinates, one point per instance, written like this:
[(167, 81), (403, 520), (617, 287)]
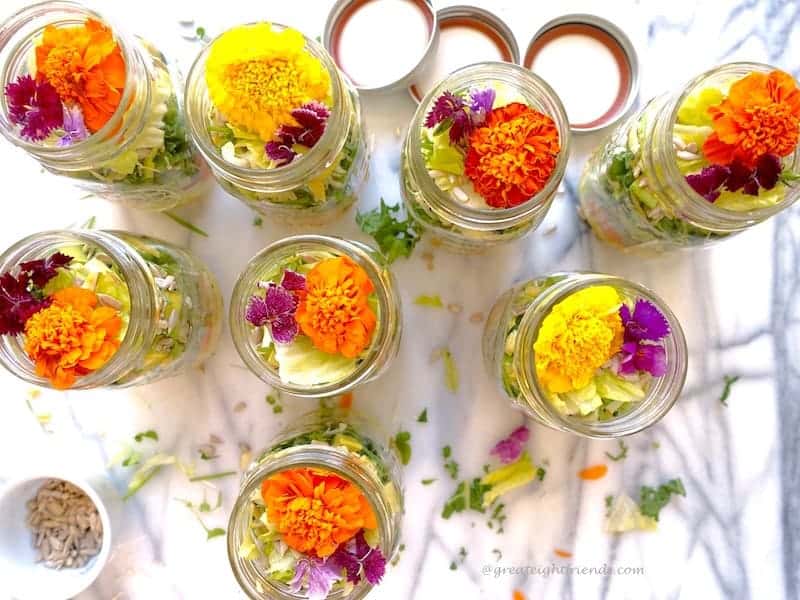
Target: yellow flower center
[(256, 76), (580, 334)]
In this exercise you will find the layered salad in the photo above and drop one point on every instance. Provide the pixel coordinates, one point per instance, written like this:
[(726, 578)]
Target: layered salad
[(733, 141), (313, 318), (270, 104), (597, 352), (312, 529), (74, 84), (72, 308)]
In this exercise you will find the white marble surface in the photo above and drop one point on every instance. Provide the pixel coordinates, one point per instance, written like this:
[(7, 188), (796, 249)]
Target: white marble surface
[(737, 533)]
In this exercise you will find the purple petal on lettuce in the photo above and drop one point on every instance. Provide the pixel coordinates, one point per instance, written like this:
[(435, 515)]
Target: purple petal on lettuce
[(768, 171), (626, 365), (481, 102), (510, 449), (374, 566), (292, 281), (280, 152), (445, 107), (650, 323), (651, 358), (708, 181), (347, 562), (257, 312), (317, 576), (740, 176), (284, 329)]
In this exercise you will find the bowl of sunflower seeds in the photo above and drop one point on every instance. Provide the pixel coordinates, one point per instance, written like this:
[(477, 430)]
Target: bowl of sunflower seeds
[(55, 537)]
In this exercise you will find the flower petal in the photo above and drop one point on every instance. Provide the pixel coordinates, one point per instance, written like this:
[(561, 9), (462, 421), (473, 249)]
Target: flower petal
[(292, 281), (651, 358), (652, 324)]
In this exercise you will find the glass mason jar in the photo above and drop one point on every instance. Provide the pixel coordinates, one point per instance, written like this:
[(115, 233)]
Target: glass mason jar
[(300, 368), (327, 441), (634, 193), (451, 220), (513, 327), (314, 188), (141, 156), (168, 300)]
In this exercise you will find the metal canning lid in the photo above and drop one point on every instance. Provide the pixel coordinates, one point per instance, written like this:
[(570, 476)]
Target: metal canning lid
[(592, 65), (381, 45), (467, 35)]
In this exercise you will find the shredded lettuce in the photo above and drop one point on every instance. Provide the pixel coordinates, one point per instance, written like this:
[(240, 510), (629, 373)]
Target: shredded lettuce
[(694, 110), (613, 387), (443, 155), (503, 480), (301, 363)]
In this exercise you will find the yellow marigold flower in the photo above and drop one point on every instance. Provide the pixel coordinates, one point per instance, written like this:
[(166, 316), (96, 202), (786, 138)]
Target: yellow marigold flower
[(579, 335), (256, 76)]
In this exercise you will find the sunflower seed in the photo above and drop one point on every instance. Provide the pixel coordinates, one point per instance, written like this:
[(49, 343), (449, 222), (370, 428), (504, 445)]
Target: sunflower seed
[(686, 155), (65, 525), (109, 301)]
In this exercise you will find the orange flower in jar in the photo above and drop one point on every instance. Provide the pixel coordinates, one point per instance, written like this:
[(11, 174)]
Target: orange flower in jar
[(335, 312), (72, 336), (84, 64), (315, 511), (761, 115)]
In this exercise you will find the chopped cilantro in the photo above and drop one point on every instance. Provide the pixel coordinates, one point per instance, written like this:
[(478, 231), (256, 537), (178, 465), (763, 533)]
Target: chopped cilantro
[(450, 465), (423, 416), (540, 473), (609, 504), (453, 566), (258, 221), (212, 476), (430, 301), (394, 238), (622, 454), (428, 481), (402, 446), (149, 434), (728, 381), (133, 458), (652, 500)]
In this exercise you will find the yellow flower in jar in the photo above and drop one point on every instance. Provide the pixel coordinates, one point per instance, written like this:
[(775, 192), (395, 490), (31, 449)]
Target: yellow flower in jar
[(578, 336), (256, 76)]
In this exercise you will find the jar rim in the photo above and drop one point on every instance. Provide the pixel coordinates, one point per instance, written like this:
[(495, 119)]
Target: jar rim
[(42, 11), (321, 456), (142, 304), (661, 395), (286, 177), (547, 101), (384, 285), (708, 210)]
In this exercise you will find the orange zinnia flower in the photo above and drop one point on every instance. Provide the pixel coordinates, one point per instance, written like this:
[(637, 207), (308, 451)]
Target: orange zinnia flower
[(512, 155), (315, 511), (761, 115), (72, 336), (335, 313), (85, 65)]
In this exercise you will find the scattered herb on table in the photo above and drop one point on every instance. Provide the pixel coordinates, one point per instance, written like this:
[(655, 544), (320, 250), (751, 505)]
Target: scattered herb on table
[(727, 381), (212, 476), (423, 416), (184, 223), (429, 301), (622, 454), (401, 444), (132, 459), (450, 370), (274, 401), (147, 471), (395, 238), (400, 551), (652, 500), (258, 221), (210, 533), (428, 481), (541, 472), (450, 465), (149, 434), (609, 503)]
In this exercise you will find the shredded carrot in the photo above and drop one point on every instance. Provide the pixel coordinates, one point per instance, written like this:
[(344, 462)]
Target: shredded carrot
[(346, 401), (593, 472), (519, 595), (562, 553)]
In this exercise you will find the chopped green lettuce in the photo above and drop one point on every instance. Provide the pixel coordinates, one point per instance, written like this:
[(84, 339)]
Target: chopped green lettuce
[(694, 110), (613, 387), (503, 480), (443, 155), (300, 363)]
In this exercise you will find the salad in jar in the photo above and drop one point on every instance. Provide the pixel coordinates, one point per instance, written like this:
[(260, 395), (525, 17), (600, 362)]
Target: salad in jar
[(324, 528), (79, 98), (720, 158), (276, 105)]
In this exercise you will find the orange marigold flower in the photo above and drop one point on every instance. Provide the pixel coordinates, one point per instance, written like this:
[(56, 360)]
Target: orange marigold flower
[(761, 115), (72, 336), (512, 155), (84, 64), (335, 313), (315, 511)]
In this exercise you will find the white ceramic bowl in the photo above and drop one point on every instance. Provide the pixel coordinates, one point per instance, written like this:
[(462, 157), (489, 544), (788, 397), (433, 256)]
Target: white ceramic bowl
[(25, 579)]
